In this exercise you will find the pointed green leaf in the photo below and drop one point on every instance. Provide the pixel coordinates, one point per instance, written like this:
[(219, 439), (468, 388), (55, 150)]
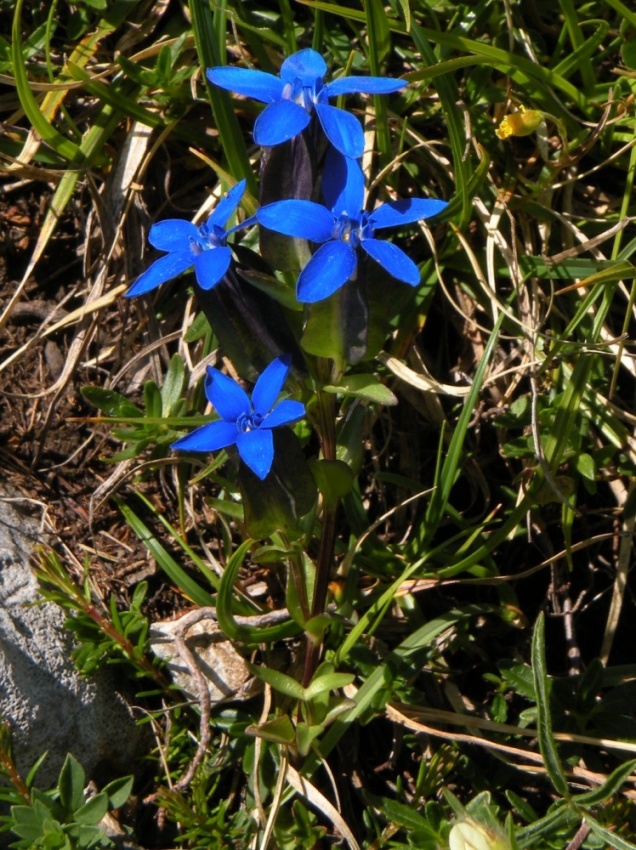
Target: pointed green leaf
[(93, 810), (306, 735), (71, 784), (327, 682), (544, 718), (367, 386), (280, 730), (608, 836), (172, 385), (611, 786), (281, 682), (110, 402), (118, 791)]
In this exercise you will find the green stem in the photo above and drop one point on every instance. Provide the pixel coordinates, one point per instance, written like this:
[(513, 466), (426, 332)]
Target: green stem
[(327, 433)]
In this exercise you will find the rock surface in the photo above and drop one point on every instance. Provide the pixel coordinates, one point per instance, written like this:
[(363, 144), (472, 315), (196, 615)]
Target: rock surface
[(43, 698)]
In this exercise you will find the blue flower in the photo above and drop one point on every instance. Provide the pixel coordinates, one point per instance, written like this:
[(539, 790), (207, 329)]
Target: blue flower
[(301, 89), (342, 227), (204, 247), (245, 423)]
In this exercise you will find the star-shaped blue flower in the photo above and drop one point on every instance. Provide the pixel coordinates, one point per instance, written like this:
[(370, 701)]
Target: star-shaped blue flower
[(301, 89), (204, 247), (245, 423), (342, 227)]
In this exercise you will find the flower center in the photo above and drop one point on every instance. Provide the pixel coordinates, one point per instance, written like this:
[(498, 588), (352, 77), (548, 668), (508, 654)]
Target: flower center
[(351, 230), (249, 422), (304, 94), (210, 236)]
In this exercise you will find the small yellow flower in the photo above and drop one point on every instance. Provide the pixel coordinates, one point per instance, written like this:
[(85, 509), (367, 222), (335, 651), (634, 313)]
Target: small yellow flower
[(470, 835), (520, 123)]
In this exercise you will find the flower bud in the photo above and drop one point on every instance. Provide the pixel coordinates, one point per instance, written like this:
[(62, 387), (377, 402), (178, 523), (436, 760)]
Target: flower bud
[(471, 835)]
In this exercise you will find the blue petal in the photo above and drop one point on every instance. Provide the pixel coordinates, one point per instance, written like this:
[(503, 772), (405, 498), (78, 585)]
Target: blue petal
[(279, 122), (257, 84), (225, 395), (269, 384), (303, 219), (343, 130), (256, 449), (208, 438), (330, 267), (363, 85), (173, 234), (227, 205), (393, 260), (160, 271), (395, 213), (343, 184), (285, 413), (306, 66), (211, 265)]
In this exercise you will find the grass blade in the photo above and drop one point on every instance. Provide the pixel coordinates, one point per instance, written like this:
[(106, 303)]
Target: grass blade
[(186, 584)]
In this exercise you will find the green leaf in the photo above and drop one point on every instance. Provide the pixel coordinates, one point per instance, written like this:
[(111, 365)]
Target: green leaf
[(333, 478), (176, 573), (585, 466), (229, 130), (71, 784), (447, 473), (69, 150), (611, 786), (366, 386), (325, 683), (404, 816), (324, 334), (198, 329), (152, 400), (544, 718), (93, 810), (27, 822), (111, 402), (405, 9), (379, 32), (628, 53), (118, 791), (281, 682), (225, 617), (306, 735), (172, 385), (519, 677), (279, 730), (608, 836), (30, 778)]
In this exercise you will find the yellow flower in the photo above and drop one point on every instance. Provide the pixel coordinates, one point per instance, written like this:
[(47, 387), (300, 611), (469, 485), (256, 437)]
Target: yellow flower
[(520, 123)]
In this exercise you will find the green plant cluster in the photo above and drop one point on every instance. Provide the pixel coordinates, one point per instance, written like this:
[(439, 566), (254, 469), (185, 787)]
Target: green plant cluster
[(66, 817)]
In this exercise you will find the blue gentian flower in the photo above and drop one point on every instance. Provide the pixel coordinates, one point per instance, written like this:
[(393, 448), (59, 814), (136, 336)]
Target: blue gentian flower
[(204, 247), (342, 227), (301, 89), (245, 423)]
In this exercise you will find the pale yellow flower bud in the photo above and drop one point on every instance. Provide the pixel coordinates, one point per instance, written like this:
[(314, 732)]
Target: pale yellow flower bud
[(470, 835)]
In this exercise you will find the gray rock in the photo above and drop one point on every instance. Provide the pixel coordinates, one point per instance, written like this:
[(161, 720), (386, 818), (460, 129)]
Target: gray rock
[(47, 704)]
